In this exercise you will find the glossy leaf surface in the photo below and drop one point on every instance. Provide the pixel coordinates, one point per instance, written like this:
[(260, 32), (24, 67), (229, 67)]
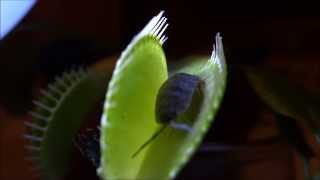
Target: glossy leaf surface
[(173, 148), (129, 108), (129, 112)]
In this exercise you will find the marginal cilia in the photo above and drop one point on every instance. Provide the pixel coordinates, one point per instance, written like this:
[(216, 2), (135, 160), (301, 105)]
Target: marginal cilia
[(44, 111)]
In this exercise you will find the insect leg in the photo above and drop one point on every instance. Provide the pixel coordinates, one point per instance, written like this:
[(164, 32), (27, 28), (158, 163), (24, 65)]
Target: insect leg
[(181, 126), (156, 134)]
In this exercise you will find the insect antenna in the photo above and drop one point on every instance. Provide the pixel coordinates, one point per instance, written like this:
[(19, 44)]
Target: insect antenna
[(155, 135)]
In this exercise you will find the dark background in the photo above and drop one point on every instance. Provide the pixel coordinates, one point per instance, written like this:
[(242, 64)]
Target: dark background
[(57, 35)]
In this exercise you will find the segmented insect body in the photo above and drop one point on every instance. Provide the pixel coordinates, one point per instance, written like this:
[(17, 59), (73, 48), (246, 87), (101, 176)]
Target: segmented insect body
[(174, 98), (88, 144)]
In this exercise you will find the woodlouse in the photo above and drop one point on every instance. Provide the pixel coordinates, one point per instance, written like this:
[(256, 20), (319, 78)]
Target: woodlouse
[(174, 98)]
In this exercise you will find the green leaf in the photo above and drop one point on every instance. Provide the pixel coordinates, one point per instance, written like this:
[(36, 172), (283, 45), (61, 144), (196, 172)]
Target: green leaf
[(129, 108), (57, 117), (285, 97), (173, 148), (129, 112)]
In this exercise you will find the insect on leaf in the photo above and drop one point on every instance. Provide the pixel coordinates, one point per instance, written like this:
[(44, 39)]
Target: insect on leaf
[(57, 117), (129, 118), (173, 148), (129, 107)]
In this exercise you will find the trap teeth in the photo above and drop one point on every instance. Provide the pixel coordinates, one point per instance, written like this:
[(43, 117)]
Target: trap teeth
[(68, 78), (76, 75), (55, 89), (32, 158), (33, 138), (49, 122), (35, 126), (156, 28), (61, 82), (163, 29), (43, 106), (39, 116), (159, 28), (163, 39), (49, 96), (32, 148)]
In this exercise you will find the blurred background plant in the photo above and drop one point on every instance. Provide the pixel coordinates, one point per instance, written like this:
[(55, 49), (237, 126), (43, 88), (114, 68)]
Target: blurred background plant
[(58, 35)]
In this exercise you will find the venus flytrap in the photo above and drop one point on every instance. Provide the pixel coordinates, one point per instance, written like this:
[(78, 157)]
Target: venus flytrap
[(131, 113), (129, 117), (167, 155), (151, 123), (129, 108), (57, 117)]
